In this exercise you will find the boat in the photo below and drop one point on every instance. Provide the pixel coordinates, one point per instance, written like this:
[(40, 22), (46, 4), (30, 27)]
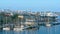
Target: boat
[(19, 28), (6, 28), (48, 25)]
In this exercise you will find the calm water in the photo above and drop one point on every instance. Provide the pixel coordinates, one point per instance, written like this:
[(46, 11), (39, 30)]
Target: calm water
[(41, 30)]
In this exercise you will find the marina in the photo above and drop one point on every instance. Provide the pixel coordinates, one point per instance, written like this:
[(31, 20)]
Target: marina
[(29, 16), (28, 22)]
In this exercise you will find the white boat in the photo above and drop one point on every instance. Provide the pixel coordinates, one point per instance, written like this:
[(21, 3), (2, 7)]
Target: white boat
[(48, 25), (51, 14), (6, 28), (21, 28), (29, 23)]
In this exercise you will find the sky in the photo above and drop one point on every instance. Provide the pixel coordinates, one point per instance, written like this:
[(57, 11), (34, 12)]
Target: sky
[(33, 5)]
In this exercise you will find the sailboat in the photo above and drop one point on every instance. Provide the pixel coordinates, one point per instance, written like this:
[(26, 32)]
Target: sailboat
[(6, 28), (20, 26)]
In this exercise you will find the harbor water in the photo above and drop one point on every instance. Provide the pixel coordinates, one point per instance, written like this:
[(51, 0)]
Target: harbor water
[(40, 30)]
